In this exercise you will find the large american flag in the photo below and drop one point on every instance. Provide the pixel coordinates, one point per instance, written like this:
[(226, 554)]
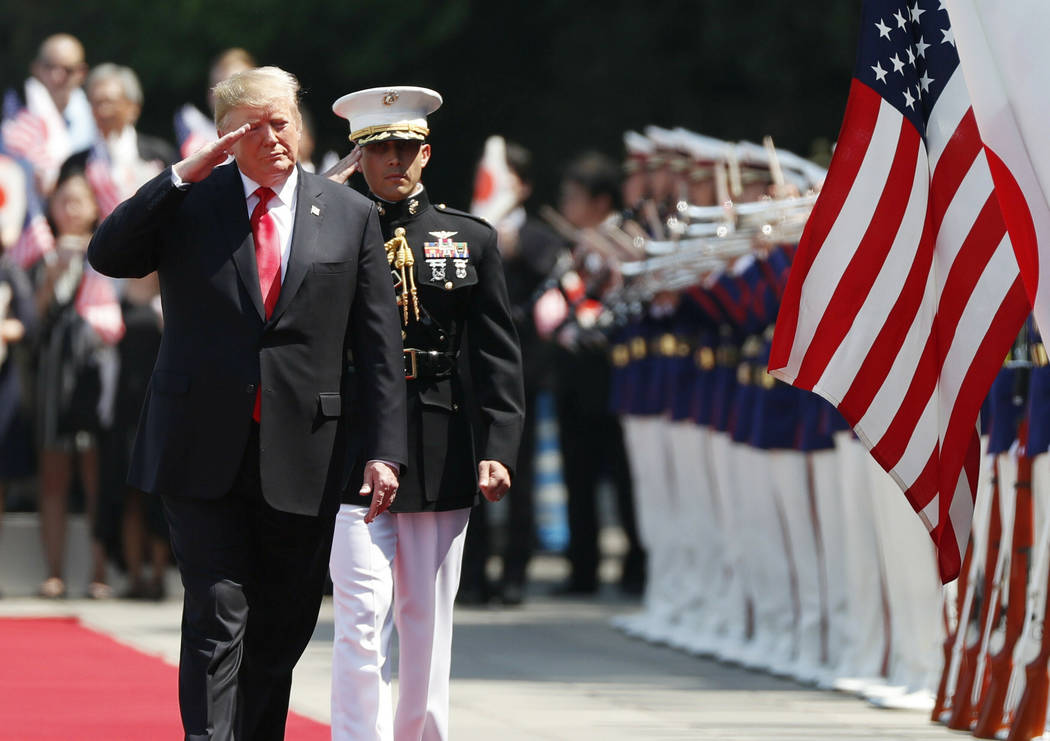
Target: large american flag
[(905, 296)]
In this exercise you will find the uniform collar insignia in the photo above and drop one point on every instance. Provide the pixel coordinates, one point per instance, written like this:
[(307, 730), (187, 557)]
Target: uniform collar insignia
[(408, 208)]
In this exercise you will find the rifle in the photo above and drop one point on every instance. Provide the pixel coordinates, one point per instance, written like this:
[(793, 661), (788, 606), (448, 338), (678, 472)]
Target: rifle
[(961, 704), (954, 628), (1028, 719), (1000, 666)]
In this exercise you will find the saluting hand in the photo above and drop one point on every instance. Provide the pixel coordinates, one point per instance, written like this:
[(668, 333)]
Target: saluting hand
[(380, 481), (199, 165), (341, 171), (493, 480)]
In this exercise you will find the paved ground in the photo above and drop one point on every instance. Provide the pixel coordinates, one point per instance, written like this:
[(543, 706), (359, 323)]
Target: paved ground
[(554, 670)]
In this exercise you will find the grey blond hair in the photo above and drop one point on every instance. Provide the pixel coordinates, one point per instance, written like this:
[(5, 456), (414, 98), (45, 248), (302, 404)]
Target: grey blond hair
[(255, 88), (129, 81)]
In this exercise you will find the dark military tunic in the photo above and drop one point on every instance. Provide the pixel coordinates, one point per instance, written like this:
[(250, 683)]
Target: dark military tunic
[(465, 311)]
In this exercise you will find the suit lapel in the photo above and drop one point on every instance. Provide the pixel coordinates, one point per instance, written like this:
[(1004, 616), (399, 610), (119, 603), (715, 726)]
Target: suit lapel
[(303, 251), (231, 214)]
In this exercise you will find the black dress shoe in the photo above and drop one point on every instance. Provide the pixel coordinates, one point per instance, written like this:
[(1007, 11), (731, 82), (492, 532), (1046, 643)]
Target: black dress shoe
[(573, 588), (632, 587), (512, 593), (156, 592), (471, 596), (136, 591), (632, 578)]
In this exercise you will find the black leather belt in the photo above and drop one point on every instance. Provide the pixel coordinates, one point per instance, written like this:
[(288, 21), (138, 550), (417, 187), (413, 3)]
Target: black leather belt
[(428, 364)]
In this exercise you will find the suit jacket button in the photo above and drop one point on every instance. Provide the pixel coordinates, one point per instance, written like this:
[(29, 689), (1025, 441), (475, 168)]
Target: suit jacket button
[(455, 407), (448, 285), (250, 388)]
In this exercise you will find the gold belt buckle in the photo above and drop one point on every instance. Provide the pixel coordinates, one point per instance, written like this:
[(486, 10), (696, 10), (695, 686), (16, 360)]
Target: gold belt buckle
[(413, 364)]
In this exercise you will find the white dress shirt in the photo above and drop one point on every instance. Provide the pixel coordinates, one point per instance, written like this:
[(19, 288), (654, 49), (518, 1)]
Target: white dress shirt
[(281, 208)]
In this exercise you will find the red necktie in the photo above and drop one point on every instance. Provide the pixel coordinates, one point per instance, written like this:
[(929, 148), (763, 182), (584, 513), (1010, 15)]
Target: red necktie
[(268, 259), (267, 250)]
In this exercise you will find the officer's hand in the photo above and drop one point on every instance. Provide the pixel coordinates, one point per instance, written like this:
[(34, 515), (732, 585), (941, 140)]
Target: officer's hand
[(381, 483), (341, 171), (199, 165), (493, 480)]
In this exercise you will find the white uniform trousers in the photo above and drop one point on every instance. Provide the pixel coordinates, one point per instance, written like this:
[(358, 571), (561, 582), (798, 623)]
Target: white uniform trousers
[(769, 556), (791, 487), (913, 587), (740, 586), (827, 486), (866, 628), (647, 445), (696, 529), (403, 570)]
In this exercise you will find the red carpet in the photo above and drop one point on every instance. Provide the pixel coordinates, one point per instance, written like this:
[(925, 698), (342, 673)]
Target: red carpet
[(60, 681)]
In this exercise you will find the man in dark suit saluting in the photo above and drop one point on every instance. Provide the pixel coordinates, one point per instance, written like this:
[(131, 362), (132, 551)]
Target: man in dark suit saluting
[(271, 279)]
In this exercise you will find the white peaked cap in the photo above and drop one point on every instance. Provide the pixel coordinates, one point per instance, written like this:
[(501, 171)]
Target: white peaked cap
[(701, 148), (382, 113), (637, 145), (663, 138), (752, 154)]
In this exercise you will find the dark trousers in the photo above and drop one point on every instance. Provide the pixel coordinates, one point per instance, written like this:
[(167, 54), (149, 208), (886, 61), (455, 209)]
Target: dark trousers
[(254, 578), (521, 518), (592, 447)]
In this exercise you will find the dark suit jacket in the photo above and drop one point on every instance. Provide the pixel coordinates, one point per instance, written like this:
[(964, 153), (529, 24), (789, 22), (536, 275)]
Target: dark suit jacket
[(217, 348)]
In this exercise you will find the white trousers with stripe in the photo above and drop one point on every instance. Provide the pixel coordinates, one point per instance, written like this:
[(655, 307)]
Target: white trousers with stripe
[(401, 570)]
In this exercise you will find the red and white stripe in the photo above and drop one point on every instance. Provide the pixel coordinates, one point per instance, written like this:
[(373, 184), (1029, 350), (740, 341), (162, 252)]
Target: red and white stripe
[(98, 305), (35, 241), (107, 194), (25, 135), (903, 300)]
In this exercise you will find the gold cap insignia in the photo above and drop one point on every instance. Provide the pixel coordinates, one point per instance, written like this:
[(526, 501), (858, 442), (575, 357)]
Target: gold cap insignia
[(390, 98)]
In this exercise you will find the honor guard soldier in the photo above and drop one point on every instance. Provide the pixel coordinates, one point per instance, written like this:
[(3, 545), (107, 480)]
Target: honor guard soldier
[(451, 294), (635, 185)]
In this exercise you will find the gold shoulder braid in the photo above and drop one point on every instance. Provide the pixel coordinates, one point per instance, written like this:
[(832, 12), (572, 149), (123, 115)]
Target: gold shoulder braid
[(399, 256)]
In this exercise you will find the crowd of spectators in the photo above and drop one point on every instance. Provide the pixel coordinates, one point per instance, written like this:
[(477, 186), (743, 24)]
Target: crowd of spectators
[(77, 349)]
